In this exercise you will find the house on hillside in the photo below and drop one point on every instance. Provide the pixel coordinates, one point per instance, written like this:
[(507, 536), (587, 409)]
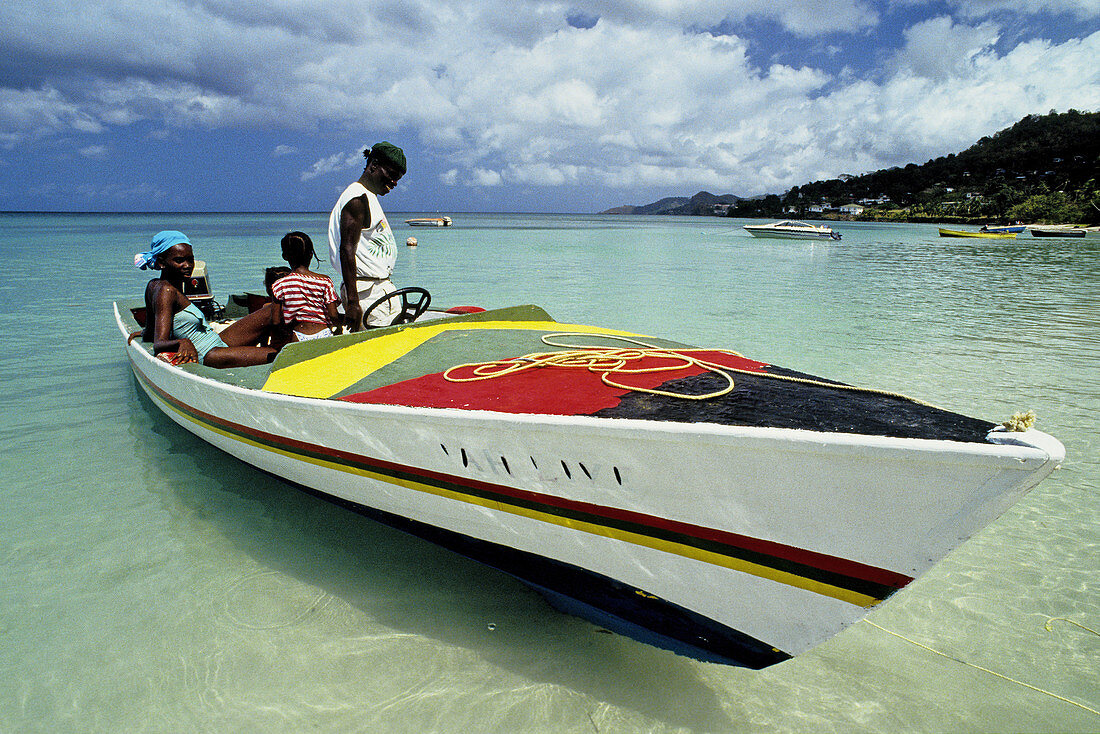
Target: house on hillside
[(851, 209)]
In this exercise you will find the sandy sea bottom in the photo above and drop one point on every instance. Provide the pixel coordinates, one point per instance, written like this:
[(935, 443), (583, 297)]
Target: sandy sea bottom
[(152, 583)]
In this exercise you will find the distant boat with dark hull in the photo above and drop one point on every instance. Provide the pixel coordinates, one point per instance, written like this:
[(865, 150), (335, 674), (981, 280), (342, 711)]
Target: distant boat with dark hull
[(1057, 231)]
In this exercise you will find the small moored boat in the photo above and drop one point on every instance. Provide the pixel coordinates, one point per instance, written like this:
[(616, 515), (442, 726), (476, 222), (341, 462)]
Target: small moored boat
[(791, 229), (1002, 228), (971, 233), (722, 507), (429, 222), (1057, 231)]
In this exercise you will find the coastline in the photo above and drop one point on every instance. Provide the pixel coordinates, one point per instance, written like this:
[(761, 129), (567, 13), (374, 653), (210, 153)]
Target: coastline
[(893, 216)]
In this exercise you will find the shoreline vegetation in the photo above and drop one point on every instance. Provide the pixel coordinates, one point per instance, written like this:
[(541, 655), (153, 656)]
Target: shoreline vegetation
[(1041, 170)]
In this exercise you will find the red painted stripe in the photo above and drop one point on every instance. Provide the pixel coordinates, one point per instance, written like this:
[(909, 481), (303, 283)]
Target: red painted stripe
[(548, 390), (832, 564)]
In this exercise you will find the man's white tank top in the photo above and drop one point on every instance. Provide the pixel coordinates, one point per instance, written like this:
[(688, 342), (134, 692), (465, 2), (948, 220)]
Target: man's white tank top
[(376, 252)]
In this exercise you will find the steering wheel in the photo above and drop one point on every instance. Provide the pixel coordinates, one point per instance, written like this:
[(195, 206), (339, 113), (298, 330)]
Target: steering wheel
[(414, 301)]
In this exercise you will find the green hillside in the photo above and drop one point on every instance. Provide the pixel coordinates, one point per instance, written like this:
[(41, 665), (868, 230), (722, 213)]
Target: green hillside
[(1045, 168)]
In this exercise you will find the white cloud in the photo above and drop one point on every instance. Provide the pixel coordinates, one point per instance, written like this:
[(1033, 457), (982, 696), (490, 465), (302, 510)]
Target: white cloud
[(509, 93), (542, 173), (1081, 9), (449, 177), (803, 17), (97, 152), (28, 114), (485, 177), (910, 118), (336, 162), (940, 49), (573, 102)]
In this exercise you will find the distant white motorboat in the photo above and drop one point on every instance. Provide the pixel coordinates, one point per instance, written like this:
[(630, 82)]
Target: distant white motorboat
[(790, 229), (429, 222)]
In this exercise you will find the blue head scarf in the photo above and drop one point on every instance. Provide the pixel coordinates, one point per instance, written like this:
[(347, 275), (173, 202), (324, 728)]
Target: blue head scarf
[(162, 242)]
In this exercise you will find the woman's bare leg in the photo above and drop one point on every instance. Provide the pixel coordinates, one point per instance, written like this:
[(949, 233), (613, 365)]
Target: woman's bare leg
[(239, 356), (248, 330), (242, 338)]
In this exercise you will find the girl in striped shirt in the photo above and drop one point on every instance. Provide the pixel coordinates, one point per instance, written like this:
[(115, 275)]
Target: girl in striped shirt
[(306, 301)]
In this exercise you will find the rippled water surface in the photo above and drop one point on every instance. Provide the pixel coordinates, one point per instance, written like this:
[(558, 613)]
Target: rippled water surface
[(152, 583)]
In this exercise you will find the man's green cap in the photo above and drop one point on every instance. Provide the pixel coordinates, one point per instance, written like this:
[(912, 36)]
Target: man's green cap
[(389, 153)]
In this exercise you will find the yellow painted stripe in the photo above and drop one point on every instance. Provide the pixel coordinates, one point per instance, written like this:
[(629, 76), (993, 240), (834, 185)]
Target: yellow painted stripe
[(327, 374), (667, 546)]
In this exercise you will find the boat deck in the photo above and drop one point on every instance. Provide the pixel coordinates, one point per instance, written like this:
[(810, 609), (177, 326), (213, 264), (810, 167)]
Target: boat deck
[(405, 365)]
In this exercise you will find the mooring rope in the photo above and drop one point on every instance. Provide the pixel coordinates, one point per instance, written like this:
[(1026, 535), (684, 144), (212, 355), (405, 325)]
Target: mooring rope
[(1049, 627), (603, 361), (993, 672), (613, 360), (1020, 421)]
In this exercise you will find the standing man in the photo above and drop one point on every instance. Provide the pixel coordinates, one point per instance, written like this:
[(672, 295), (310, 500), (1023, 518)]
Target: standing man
[(360, 242)]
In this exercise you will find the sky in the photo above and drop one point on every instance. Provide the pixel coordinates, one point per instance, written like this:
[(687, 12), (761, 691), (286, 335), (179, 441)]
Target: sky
[(510, 105)]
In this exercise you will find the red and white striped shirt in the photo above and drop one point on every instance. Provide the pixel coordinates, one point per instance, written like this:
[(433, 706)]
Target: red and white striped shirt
[(304, 298)]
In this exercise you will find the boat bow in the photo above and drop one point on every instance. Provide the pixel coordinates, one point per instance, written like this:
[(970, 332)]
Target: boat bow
[(701, 532)]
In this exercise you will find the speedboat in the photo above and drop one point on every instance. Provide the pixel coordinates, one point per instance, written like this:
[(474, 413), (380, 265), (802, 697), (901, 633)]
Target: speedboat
[(727, 509), (429, 222), (790, 229), (979, 233)]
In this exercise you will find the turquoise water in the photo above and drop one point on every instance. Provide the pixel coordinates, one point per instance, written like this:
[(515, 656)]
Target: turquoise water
[(151, 583)]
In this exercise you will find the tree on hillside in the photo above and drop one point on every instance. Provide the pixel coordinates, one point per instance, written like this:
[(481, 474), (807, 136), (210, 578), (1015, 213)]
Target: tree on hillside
[(1015, 173)]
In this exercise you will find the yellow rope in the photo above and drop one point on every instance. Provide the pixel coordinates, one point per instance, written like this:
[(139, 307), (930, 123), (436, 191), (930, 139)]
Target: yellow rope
[(613, 360), (992, 672), (1050, 627), (603, 361), (1020, 421)]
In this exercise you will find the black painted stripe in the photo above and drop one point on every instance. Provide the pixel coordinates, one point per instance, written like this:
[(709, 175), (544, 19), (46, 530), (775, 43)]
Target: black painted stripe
[(873, 583)]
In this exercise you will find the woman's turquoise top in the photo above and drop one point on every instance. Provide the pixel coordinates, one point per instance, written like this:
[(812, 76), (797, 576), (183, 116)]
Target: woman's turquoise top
[(191, 324)]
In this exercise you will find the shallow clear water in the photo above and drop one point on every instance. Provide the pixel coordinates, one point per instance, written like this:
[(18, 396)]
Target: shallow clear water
[(152, 583)]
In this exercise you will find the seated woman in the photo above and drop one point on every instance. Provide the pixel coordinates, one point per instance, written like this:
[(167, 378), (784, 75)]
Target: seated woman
[(304, 299), (174, 324)]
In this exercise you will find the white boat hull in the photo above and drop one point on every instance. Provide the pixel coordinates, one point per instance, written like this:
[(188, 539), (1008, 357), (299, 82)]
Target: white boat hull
[(787, 235), (429, 222), (786, 536), (792, 230)]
